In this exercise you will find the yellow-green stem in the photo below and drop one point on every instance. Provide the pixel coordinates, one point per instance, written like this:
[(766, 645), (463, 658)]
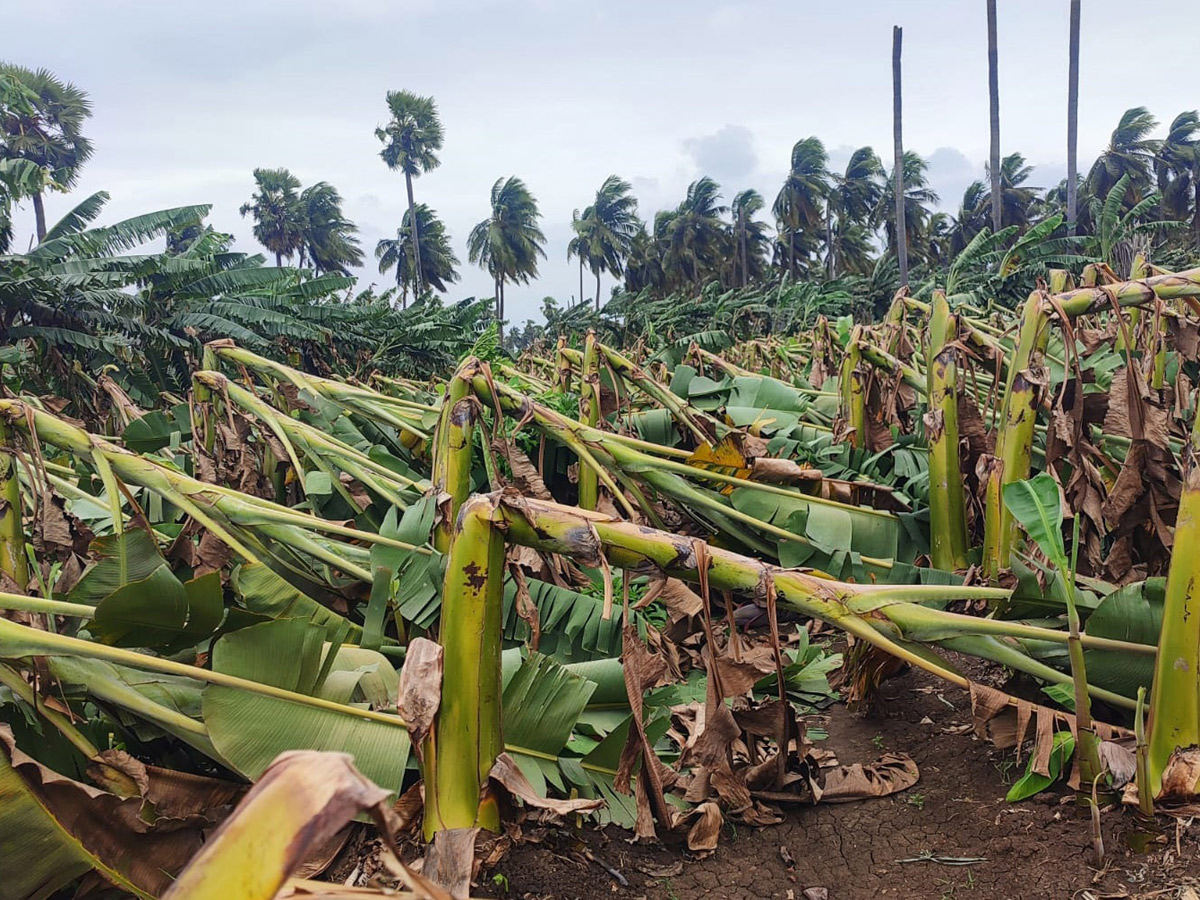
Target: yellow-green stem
[(13, 560), (589, 412), (452, 453), (947, 496), (465, 739)]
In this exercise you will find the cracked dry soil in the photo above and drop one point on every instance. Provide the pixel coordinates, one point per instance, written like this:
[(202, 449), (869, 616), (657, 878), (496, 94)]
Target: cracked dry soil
[(1037, 849)]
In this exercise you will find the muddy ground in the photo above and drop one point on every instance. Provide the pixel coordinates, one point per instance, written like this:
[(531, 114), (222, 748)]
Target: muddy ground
[(901, 846)]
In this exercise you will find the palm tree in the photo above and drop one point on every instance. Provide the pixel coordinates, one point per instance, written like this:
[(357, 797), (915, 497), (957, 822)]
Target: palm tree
[(690, 235), (798, 206), (1015, 200), (750, 236), (1072, 185), (509, 241), (854, 247), (279, 215), (329, 240), (580, 245), (439, 265), (643, 266), (604, 231), (972, 216), (918, 197), (1177, 170), (853, 197), (938, 239), (47, 129), (1131, 151), (411, 141)]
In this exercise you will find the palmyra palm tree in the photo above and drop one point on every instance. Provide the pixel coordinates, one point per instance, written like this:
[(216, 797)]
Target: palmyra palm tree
[(46, 130), (411, 141)]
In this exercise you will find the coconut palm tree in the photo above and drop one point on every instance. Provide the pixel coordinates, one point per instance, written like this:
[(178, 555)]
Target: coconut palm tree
[(643, 265), (853, 196), (1131, 151), (1016, 199), (937, 246), (411, 141), (690, 235), (439, 265), (1177, 169), (46, 129), (604, 231), (972, 216), (580, 245), (278, 213), (918, 197), (750, 238), (854, 247), (798, 206), (509, 241), (329, 241)]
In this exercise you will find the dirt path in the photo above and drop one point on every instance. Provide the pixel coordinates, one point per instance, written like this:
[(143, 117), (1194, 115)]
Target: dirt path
[(1037, 849)]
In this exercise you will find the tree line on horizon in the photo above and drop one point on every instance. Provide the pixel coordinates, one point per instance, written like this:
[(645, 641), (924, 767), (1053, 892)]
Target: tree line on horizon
[(822, 223)]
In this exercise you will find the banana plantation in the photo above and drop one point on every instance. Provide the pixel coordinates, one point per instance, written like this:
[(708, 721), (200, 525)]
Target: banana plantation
[(260, 613)]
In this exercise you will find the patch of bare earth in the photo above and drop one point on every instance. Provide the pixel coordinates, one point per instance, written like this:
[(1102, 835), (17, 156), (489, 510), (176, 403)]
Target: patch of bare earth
[(902, 846)]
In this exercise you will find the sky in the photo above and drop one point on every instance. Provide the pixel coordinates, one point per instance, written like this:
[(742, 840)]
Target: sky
[(190, 98)]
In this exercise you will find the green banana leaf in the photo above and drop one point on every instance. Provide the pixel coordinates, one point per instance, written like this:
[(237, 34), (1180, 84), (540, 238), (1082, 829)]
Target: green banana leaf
[(250, 730)]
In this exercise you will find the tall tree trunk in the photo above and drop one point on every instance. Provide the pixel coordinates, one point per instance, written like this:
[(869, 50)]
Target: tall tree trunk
[(994, 107), (898, 166), (745, 255), (829, 261), (1073, 120), (792, 254), (416, 238), (597, 290), (39, 212), (581, 278), (278, 260), (500, 309), (1196, 209)]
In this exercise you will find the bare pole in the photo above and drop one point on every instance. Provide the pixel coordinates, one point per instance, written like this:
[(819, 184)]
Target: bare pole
[(1073, 120), (898, 167), (994, 104)]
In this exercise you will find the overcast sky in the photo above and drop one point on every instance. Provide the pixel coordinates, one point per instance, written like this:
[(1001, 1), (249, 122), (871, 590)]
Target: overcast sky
[(190, 97)]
